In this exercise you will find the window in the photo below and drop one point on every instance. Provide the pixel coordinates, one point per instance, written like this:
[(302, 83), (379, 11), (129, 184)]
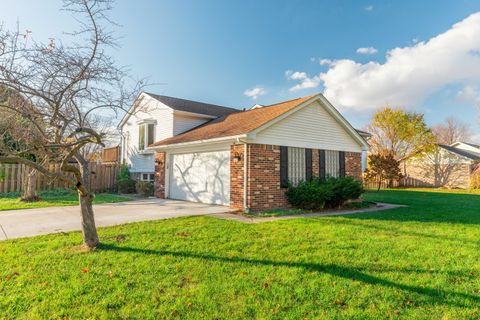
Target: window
[(141, 137), (332, 163), (296, 165), (146, 135), (147, 177)]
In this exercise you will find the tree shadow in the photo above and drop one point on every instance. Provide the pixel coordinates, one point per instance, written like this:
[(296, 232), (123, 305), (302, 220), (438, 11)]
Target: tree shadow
[(436, 296)]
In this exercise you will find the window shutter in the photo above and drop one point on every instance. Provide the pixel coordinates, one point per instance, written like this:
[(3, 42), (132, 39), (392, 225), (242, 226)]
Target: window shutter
[(283, 167), (341, 161), (308, 164), (321, 163)]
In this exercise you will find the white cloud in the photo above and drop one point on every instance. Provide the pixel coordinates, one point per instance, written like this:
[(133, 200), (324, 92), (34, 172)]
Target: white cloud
[(409, 75), (325, 62), (295, 75), (255, 92), (367, 50), (469, 93), (369, 8)]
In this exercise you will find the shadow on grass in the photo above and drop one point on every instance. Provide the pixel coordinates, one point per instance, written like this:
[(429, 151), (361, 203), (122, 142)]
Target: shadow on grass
[(437, 296)]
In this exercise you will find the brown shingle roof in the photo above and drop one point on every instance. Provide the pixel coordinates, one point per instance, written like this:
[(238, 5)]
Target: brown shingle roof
[(234, 124)]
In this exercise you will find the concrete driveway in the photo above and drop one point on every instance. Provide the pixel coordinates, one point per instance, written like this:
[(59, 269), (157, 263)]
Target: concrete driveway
[(33, 222)]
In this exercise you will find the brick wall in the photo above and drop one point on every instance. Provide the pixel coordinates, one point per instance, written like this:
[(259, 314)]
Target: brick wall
[(236, 176), (264, 192), (160, 164), (353, 165)]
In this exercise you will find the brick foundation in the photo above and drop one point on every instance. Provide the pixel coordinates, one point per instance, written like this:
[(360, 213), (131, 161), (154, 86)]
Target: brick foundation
[(160, 172)]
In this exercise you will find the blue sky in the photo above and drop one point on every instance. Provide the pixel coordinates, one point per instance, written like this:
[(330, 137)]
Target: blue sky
[(238, 53)]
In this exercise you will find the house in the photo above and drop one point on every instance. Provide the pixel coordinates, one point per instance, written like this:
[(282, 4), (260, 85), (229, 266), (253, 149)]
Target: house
[(243, 159), (153, 118), (447, 166)]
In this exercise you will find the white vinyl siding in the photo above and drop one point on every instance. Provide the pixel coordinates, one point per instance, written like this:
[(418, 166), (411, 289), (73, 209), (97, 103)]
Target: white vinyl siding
[(332, 163), (167, 124), (296, 165), (182, 123), (311, 127)]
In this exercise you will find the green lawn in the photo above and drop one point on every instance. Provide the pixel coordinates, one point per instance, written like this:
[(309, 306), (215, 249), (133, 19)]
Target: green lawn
[(420, 262), (54, 198)]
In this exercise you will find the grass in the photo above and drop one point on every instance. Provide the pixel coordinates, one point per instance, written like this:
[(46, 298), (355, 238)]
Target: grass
[(418, 262), (54, 198)]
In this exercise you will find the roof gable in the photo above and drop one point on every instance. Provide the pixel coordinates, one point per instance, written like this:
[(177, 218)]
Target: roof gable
[(309, 127), (461, 152)]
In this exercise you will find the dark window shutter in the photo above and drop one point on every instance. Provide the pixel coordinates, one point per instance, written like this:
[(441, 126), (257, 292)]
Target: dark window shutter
[(308, 164), (341, 159), (283, 167), (321, 163)]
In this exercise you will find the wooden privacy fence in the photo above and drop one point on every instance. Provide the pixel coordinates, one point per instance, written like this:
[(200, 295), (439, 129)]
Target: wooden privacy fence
[(13, 177), (405, 182)]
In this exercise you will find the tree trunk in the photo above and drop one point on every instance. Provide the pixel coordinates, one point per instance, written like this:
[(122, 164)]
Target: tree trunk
[(89, 230), (30, 188)]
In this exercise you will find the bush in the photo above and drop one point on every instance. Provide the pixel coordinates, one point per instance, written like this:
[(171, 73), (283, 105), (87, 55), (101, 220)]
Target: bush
[(343, 189), (320, 193), (308, 195), (144, 188), (125, 184)]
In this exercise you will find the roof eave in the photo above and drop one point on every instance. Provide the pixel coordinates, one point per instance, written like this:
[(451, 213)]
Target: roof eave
[(196, 143)]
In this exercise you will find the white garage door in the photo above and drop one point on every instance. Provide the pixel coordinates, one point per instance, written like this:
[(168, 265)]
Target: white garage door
[(201, 177)]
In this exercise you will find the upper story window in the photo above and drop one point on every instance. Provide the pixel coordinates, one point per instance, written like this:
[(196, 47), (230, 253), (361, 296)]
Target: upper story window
[(146, 134)]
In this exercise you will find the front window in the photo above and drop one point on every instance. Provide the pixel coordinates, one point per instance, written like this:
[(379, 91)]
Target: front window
[(146, 134), (296, 165), (332, 163)]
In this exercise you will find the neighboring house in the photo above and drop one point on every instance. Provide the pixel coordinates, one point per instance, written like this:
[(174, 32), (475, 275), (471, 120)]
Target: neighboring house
[(244, 159), (153, 118), (448, 166)]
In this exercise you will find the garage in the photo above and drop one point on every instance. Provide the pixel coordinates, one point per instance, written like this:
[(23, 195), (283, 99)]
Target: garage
[(200, 177)]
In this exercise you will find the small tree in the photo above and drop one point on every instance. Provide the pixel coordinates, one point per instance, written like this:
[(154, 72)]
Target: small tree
[(64, 90), (383, 168), (400, 134)]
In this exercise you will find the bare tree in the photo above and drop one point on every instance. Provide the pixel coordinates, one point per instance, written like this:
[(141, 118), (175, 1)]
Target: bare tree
[(452, 130), (63, 88)]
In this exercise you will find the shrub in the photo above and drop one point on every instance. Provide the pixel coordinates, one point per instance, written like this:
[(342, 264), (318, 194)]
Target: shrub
[(342, 189), (320, 193), (308, 195), (144, 188), (125, 184)]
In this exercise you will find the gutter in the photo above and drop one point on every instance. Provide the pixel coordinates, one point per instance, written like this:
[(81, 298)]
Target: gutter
[(196, 142)]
